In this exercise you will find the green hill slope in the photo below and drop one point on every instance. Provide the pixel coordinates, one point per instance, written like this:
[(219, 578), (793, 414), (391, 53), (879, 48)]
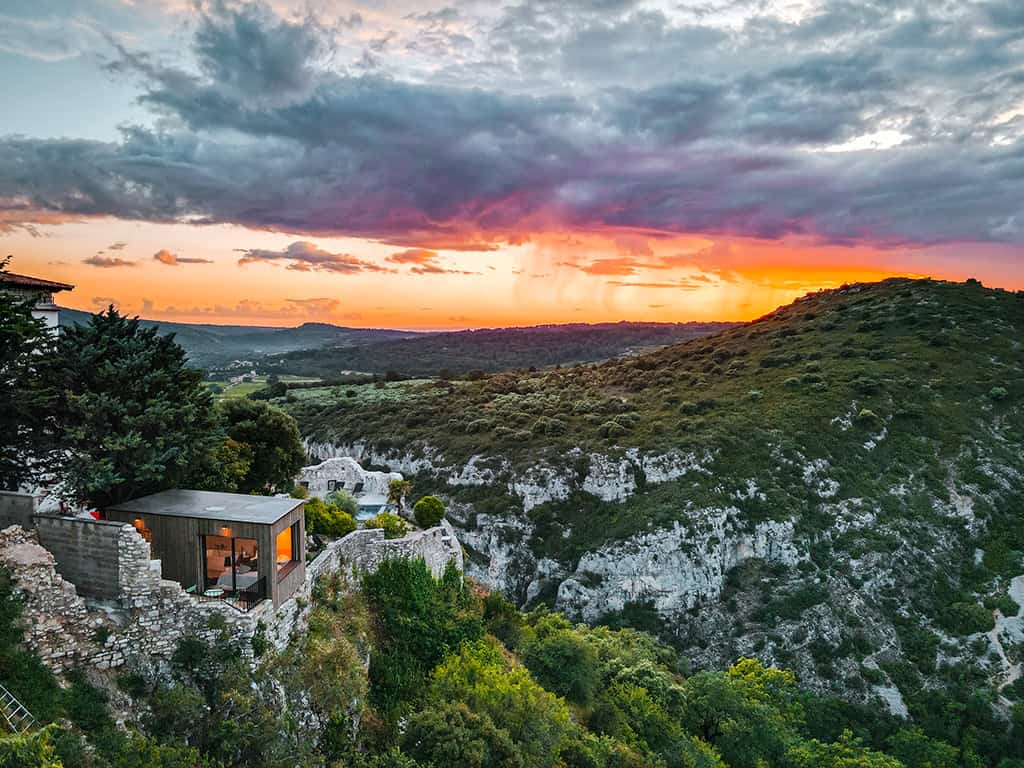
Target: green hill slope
[(836, 486), (213, 346), (493, 349)]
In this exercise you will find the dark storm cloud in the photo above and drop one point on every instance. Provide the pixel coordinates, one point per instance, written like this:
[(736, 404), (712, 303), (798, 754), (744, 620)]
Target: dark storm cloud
[(637, 120)]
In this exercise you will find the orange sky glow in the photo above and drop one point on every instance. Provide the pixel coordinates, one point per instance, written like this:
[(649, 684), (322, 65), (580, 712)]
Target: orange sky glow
[(190, 273)]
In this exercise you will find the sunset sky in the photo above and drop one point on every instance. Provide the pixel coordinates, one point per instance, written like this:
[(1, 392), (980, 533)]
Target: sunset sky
[(476, 163)]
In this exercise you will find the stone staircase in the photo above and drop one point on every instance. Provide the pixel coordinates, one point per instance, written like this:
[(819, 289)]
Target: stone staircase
[(17, 718)]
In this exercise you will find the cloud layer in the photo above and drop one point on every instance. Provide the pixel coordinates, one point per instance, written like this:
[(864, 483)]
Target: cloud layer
[(308, 257), (169, 259), (893, 123)]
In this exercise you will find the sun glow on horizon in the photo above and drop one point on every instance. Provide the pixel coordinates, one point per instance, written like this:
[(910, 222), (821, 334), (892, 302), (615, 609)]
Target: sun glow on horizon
[(230, 275)]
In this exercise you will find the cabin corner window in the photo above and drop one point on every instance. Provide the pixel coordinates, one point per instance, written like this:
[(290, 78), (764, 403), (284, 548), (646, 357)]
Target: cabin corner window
[(287, 549)]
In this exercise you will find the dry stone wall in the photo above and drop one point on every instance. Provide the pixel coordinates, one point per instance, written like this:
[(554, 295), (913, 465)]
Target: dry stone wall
[(362, 550), (145, 622), (148, 615)]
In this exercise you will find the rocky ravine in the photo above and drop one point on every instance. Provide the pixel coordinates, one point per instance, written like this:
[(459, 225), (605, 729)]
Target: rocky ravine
[(681, 575)]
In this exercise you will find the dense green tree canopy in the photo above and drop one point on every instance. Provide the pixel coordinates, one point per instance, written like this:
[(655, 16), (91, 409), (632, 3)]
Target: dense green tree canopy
[(269, 440), (133, 418), (25, 397)]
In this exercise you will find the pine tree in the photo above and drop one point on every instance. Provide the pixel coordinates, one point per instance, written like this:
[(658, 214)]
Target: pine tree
[(25, 398), (134, 419)]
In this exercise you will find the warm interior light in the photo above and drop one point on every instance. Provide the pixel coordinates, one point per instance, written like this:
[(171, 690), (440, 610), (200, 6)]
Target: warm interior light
[(138, 523), (225, 532), (285, 552)]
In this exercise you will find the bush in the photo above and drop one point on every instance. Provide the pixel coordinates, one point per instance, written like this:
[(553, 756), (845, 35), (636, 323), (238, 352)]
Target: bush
[(394, 526), (869, 419), (562, 661), (452, 734), (344, 501), (997, 393), (612, 429), (428, 511), (962, 618), (327, 520)]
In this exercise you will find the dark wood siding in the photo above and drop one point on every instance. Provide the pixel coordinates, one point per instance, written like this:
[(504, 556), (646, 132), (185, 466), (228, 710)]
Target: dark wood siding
[(177, 543)]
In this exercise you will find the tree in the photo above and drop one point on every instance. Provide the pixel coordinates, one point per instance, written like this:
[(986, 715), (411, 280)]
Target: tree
[(484, 678), (451, 735), (30, 750), (845, 753), (746, 713), (397, 491), (327, 519), (25, 398), (420, 619), (132, 417), (270, 441), (561, 660), (428, 511)]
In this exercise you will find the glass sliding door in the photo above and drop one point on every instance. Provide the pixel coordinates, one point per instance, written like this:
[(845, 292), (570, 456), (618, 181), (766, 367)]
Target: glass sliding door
[(229, 564)]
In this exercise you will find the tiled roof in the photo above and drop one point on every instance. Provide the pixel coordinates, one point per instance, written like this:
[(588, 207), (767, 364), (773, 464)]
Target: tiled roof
[(10, 278)]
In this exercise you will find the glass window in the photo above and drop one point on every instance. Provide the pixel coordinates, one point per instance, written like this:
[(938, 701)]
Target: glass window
[(287, 547), (230, 564)]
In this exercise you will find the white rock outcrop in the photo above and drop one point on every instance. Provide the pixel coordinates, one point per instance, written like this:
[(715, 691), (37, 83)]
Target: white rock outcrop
[(672, 569)]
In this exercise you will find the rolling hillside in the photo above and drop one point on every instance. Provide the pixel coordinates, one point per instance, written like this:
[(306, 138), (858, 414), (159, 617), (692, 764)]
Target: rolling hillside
[(213, 346), (837, 487), (494, 349)]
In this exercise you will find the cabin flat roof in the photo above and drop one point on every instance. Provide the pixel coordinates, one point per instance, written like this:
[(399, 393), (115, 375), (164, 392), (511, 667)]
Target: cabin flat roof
[(10, 278), (211, 505)]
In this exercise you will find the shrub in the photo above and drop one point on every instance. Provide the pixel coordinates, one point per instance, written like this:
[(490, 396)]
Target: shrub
[(344, 501), (868, 419), (428, 511), (963, 618), (394, 527), (562, 661), (452, 734), (327, 520), (997, 393), (612, 429)]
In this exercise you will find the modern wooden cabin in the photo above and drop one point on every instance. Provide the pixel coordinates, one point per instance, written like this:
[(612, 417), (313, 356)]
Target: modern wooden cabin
[(223, 545)]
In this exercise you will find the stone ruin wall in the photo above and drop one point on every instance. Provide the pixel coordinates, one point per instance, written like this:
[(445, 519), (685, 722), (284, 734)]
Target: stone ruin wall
[(362, 550), (147, 620), (149, 615)]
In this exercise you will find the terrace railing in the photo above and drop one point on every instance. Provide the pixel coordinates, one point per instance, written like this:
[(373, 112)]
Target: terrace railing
[(242, 599)]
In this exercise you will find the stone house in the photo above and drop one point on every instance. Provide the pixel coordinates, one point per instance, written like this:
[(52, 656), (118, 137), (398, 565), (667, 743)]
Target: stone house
[(345, 474), (38, 290)]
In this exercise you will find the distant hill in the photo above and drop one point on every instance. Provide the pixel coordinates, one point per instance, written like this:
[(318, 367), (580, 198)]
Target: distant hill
[(213, 346), (493, 349), (836, 488)]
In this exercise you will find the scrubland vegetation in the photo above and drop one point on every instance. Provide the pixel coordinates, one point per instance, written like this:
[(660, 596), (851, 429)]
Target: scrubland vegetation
[(459, 678)]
